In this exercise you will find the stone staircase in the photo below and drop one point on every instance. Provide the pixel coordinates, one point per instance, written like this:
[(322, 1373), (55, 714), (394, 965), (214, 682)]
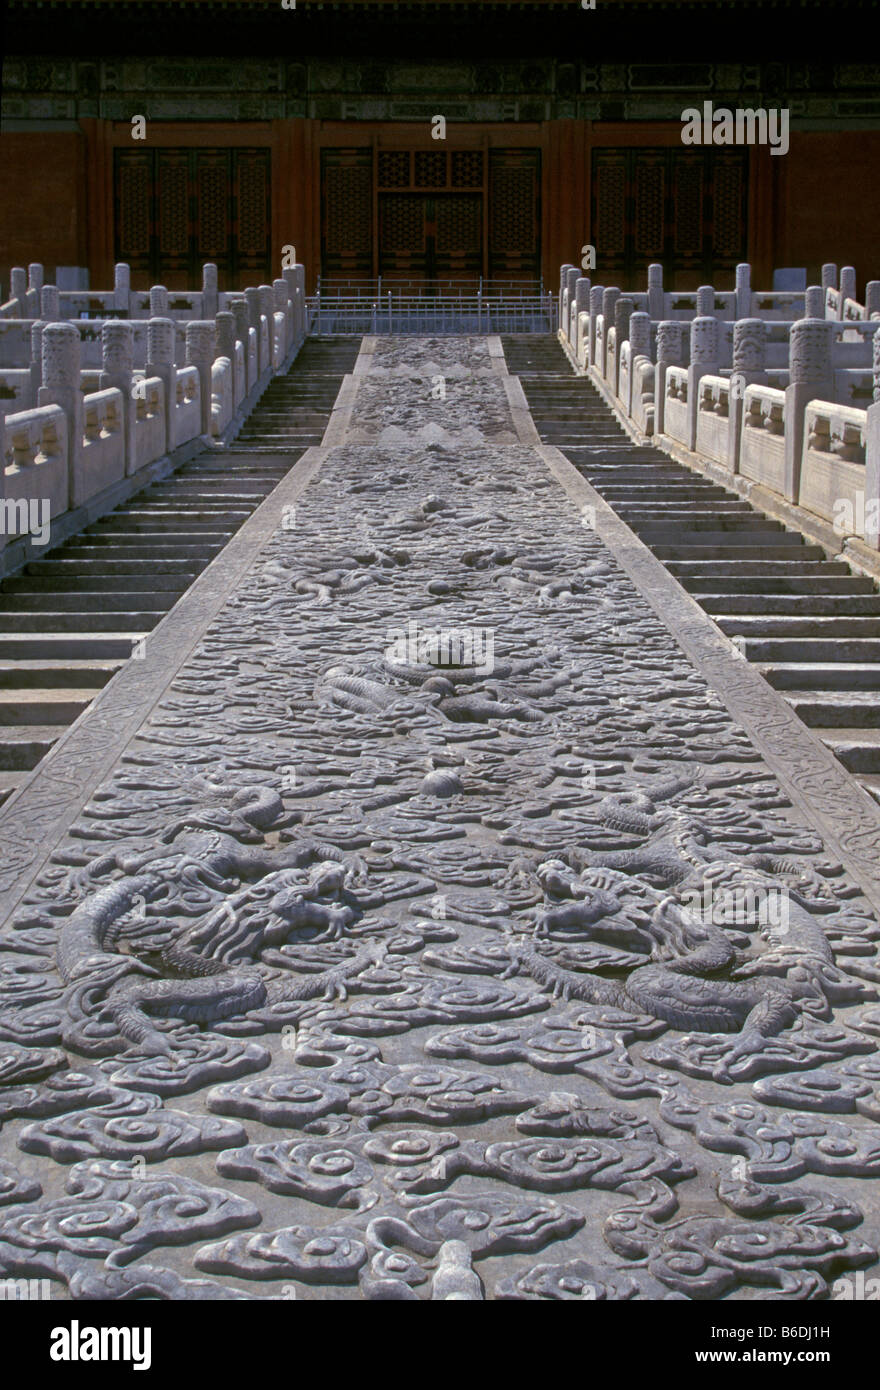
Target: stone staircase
[(810, 625), (69, 621)]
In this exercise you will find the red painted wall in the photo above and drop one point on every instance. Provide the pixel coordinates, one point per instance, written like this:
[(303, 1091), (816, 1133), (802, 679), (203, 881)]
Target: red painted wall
[(829, 203), (42, 212)]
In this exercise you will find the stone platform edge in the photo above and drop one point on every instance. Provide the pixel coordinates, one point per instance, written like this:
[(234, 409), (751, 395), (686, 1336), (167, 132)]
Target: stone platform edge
[(854, 552), (40, 811), (829, 799)]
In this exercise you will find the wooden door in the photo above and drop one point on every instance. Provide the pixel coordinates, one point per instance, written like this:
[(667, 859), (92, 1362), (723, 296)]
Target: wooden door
[(177, 208), (686, 209)]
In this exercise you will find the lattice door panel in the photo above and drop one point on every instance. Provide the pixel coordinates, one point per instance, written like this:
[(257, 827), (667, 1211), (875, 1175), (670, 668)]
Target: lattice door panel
[(458, 219), (347, 213), (405, 230), (177, 208), (134, 200), (684, 208), (514, 214), (429, 238)]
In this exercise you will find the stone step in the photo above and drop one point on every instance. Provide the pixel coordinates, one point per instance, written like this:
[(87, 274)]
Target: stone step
[(812, 626), (80, 601), (777, 605), (22, 748), (69, 621), (831, 709), (149, 552), (659, 498), (731, 569), (871, 785), (171, 585), (108, 565), (9, 781), (229, 517), (706, 551), (228, 490), (42, 706), (55, 620), (748, 625), (174, 527), (817, 675), (42, 674), (719, 517), (819, 649), (717, 532), (137, 540), (858, 749), (116, 647)]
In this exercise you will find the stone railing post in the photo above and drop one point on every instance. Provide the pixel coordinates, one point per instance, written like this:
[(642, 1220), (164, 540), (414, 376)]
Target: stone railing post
[(18, 290), (581, 306), (281, 300), (847, 285), (571, 279), (200, 354), (705, 302), (239, 310), (609, 299), (872, 299), (160, 363), (50, 308), (224, 344), (563, 286), (670, 353), (704, 362), (811, 377), (622, 311), (743, 290), (872, 457), (210, 296), (596, 293), (158, 302), (35, 284), (122, 287), (267, 312), (814, 302), (36, 365), (655, 291), (639, 346), (296, 285), (829, 276), (829, 282), (301, 299), (61, 367), (749, 353), (117, 369), (3, 473), (252, 300)]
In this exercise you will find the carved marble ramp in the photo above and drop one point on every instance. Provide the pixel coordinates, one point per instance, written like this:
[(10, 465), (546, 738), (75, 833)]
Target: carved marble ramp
[(433, 931)]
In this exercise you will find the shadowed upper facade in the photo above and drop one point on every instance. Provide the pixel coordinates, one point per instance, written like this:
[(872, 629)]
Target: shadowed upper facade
[(316, 127)]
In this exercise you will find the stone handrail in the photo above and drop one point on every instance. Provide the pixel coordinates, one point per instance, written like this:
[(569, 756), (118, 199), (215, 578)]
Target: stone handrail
[(36, 479), (92, 429), (775, 400)]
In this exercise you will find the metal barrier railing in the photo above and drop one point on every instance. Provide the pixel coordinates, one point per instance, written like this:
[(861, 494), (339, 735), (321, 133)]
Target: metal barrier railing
[(439, 315), (376, 289)]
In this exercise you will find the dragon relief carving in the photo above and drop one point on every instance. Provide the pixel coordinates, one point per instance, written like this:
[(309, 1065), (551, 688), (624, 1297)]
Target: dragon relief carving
[(440, 988)]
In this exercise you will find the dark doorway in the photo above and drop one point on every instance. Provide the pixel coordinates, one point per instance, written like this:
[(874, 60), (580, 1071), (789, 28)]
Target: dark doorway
[(687, 209), (430, 237), (177, 208), (431, 215)]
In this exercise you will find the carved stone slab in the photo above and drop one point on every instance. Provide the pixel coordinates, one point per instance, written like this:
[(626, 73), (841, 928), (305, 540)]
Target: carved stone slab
[(423, 923)]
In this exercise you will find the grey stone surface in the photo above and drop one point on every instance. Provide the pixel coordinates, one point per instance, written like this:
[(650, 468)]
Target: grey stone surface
[(370, 976)]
